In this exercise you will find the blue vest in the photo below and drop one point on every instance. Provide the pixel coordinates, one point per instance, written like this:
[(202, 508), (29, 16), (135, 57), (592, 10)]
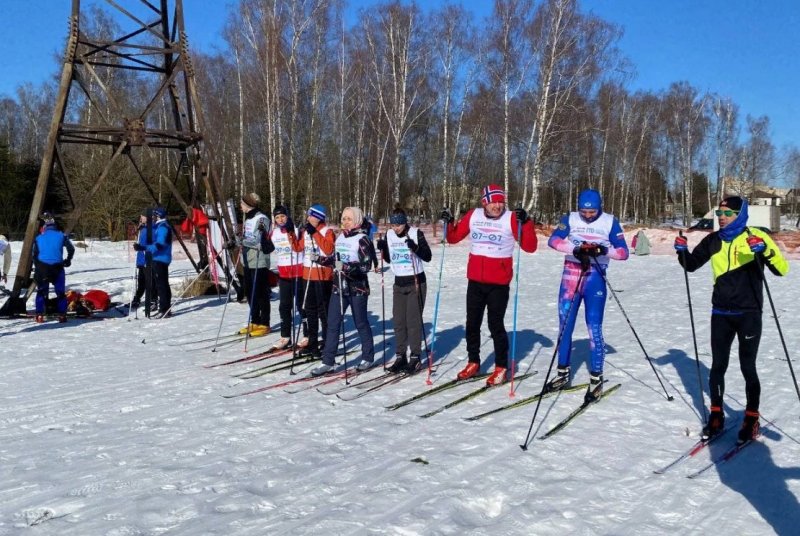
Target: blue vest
[(161, 248), (142, 241), (50, 245)]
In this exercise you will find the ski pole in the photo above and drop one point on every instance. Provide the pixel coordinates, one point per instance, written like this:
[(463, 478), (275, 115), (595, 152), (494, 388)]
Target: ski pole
[(341, 315), (183, 293), (135, 287), (760, 261), (670, 398), (317, 292), (229, 281), (694, 334), (253, 281), (516, 302), (420, 301), (436, 308), (562, 327), (383, 311)]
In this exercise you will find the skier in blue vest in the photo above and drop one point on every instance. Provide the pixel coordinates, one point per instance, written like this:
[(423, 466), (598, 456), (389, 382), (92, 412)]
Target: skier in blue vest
[(590, 238), (49, 262)]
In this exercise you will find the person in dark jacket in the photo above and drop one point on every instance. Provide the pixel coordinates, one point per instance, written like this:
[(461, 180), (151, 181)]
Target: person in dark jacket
[(738, 255), (161, 250), (353, 261), (49, 262), (494, 232), (405, 249)]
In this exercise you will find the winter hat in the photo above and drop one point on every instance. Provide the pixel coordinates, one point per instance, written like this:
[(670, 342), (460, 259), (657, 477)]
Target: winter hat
[(732, 203), (398, 217), (590, 199), (251, 200), (160, 212), (318, 211), (280, 209), (493, 194), (48, 218)]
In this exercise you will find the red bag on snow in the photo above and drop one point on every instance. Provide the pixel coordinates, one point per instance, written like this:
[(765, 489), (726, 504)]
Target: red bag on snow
[(97, 300)]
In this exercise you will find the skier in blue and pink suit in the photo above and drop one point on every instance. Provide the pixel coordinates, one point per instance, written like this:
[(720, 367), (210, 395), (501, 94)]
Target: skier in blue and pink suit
[(590, 238)]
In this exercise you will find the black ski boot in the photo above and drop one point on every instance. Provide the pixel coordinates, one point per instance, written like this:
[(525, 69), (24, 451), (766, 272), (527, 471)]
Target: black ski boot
[(595, 390), (558, 383), (750, 428), (715, 424), (399, 365), (414, 365)]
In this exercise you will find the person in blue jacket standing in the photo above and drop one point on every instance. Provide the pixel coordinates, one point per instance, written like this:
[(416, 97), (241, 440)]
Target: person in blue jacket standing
[(49, 263), (143, 279), (590, 238), (161, 250)]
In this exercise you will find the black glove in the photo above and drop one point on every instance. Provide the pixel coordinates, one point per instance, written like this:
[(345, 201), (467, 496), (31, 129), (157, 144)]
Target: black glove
[(310, 229), (447, 216), (67, 262), (289, 226), (380, 244), (413, 246), (138, 247), (587, 250), (231, 244), (522, 215)]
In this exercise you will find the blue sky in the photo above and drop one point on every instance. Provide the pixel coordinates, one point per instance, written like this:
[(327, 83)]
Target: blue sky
[(748, 50)]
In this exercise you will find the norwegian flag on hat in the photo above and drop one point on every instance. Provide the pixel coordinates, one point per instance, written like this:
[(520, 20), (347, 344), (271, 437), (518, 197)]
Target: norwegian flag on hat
[(493, 194)]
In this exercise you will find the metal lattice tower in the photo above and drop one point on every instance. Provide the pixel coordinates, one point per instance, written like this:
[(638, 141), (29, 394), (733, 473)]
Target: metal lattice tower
[(154, 47)]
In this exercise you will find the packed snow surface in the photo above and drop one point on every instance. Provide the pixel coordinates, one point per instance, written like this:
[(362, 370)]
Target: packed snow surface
[(115, 427)]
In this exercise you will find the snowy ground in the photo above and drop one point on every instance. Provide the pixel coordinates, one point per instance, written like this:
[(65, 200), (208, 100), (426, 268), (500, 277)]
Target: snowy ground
[(115, 428)]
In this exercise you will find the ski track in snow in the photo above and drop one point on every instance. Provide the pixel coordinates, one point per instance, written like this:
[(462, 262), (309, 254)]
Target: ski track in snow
[(101, 434)]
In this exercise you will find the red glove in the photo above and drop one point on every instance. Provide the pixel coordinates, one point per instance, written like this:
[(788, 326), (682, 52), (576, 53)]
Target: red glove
[(681, 244)]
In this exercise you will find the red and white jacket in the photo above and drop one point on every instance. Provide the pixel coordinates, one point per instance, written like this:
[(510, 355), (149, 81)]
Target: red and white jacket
[(290, 262), (491, 257), (321, 243)]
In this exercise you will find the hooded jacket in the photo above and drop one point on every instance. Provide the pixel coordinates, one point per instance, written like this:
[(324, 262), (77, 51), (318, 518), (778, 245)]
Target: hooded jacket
[(738, 275)]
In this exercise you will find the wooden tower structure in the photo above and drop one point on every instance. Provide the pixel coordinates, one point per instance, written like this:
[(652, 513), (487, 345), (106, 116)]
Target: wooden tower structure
[(167, 127)]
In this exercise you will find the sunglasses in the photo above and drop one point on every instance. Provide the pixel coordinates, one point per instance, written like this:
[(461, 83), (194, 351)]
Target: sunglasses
[(726, 213)]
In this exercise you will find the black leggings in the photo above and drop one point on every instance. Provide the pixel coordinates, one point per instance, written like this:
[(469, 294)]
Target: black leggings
[(493, 299), (290, 289), (747, 327)]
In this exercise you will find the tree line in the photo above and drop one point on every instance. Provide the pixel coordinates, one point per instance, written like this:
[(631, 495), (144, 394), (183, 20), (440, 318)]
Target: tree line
[(305, 102)]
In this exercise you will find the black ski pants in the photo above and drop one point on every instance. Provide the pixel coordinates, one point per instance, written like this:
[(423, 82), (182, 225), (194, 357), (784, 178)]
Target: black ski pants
[(288, 289), (161, 282), (318, 295), (747, 328), (141, 285), (256, 284), (494, 300)]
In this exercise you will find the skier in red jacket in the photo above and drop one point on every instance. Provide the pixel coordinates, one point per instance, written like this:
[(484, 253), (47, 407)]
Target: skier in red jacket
[(493, 231)]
